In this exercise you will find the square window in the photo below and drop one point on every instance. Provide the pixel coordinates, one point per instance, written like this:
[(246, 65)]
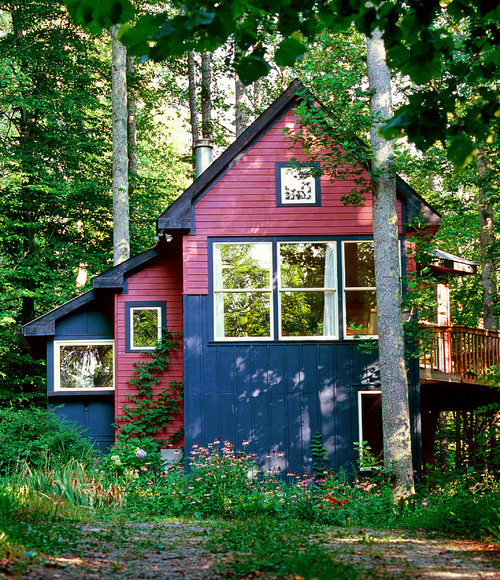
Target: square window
[(298, 184), (83, 365), (144, 322)]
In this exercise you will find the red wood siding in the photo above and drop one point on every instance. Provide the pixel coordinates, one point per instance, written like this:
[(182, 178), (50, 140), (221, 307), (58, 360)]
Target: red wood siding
[(159, 282), (243, 203)]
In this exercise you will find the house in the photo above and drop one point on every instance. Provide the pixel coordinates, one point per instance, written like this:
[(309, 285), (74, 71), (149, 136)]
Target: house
[(270, 279)]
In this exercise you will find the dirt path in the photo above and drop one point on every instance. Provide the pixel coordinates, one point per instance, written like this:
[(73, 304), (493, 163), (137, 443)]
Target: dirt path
[(176, 550)]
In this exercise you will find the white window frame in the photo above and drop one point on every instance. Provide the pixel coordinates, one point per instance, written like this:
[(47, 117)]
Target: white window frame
[(324, 289), (353, 288), (360, 425), (158, 310), (218, 291), (57, 363), (290, 173)]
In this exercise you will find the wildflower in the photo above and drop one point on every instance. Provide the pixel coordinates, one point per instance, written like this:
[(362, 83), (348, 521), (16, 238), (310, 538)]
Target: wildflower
[(140, 453), (425, 504)]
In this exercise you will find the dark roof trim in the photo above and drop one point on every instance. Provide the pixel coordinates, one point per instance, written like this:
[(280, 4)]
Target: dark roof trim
[(179, 215), (46, 325), (448, 263), (112, 279)]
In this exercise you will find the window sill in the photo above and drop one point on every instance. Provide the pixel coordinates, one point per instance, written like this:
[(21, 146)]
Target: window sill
[(81, 392)]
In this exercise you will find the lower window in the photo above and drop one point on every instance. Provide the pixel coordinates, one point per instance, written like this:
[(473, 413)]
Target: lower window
[(82, 364), (371, 442)]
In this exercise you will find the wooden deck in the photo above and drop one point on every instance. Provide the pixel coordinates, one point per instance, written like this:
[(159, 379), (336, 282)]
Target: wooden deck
[(458, 354)]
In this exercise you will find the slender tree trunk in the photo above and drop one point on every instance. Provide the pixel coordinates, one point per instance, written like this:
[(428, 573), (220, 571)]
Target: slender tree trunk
[(394, 386), (241, 116), (131, 120), (193, 108), (486, 242), (206, 95), (444, 454), (121, 235)]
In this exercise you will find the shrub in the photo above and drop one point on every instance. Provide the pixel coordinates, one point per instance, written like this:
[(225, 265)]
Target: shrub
[(36, 436)]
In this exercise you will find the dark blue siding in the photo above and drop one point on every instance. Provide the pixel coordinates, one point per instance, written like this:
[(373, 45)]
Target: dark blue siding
[(93, 412), (275, 395)]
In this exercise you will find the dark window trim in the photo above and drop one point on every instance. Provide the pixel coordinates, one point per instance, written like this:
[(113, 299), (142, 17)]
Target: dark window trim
[(317, 184), (142, 304)]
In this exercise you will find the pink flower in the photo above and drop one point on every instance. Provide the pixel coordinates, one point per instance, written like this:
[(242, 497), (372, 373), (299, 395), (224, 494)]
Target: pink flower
[(425, 504)]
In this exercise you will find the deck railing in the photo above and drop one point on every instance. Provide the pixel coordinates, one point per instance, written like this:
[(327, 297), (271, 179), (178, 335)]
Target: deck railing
[(460, 350)]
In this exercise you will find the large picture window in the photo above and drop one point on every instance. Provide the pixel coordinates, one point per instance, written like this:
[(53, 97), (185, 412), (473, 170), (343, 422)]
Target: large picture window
[(244, 302), (80, 364)]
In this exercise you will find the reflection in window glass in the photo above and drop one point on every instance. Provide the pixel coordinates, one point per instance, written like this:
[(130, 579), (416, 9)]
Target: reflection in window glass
[(85, 366), (360, 305), (242, 285), (307, 289), (146, 327)]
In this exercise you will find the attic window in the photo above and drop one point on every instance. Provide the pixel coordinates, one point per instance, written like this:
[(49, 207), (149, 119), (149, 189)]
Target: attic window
[(83, 365), (297, 184)]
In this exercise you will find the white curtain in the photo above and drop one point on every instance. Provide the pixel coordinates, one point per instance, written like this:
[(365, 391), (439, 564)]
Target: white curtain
[(220, 330), (329, 311)]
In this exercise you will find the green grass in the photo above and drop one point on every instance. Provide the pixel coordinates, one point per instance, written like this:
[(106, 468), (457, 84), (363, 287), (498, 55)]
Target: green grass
[(281, 548)]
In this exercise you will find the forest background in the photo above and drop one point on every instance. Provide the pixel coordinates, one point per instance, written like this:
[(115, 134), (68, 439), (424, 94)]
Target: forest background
[(56, 221)]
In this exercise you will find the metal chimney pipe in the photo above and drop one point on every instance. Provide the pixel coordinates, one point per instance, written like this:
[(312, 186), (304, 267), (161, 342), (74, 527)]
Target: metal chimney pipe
[(204, 155)]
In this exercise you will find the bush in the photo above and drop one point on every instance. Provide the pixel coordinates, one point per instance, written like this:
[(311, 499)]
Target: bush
[(37, 436)]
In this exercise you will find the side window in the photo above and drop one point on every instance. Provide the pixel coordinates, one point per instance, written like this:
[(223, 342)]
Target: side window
[(80, 364), (144, 322), (297, 185), (360, 304), (307, 289), (243, 290), (370, 424)]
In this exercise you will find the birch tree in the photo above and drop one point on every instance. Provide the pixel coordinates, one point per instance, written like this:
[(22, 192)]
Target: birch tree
[(121, 234), (394, 385)]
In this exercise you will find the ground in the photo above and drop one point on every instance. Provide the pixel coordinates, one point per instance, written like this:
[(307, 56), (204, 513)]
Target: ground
[(177, 550)]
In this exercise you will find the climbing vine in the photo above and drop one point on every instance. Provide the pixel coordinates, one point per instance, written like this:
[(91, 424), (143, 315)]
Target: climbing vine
[(149, 410)]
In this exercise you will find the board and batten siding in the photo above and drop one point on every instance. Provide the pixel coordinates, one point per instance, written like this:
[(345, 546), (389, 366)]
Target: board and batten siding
[(276, 395), (243, 203), (160, 282)]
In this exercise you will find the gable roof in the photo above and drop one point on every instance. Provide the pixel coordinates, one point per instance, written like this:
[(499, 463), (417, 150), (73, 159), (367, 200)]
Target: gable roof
[(179, 215)]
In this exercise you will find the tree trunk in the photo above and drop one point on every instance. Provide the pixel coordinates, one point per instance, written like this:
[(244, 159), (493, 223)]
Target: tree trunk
[(206, 96), (121, 235), (193, 108), (394, 386), (486, 243), (240, 109), (131, 121), (444, 453)]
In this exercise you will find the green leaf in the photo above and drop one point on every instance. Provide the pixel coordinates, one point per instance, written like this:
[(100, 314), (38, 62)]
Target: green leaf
[(252, 67), (461, 150), (95, 15), (289, 51)]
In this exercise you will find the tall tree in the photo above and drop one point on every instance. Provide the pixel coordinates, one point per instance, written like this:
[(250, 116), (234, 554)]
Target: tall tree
[(121, 230), (394, 386)]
